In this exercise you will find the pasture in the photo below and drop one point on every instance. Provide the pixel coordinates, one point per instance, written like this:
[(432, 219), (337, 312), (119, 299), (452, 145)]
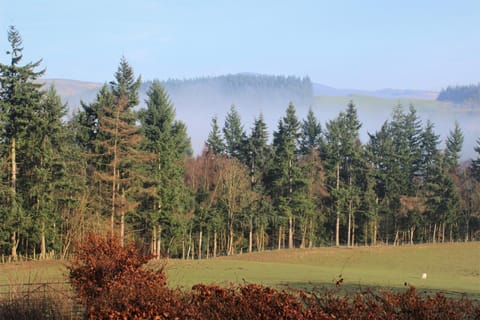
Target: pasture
[(451, 268)]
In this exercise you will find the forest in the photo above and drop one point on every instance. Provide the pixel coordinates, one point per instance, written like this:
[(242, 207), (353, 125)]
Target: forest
[(116, 169), (462, 95)]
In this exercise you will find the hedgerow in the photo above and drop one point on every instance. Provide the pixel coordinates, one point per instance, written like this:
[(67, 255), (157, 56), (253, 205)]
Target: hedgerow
[(112, 283)]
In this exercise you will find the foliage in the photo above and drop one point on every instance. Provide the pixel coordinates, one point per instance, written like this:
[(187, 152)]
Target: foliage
[(112, 284)]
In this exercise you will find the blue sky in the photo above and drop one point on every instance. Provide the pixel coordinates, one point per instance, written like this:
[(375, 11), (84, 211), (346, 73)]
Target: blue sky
[(344, 44)]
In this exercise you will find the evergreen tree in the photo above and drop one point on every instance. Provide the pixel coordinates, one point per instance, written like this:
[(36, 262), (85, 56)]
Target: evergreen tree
[(20, 98), (118, 145), (454, 145), (429, 147), (311, 133), (215, 142), (234, 135), (168, 140), (475, 164), (342, 153), (285, 173), (258, 150)]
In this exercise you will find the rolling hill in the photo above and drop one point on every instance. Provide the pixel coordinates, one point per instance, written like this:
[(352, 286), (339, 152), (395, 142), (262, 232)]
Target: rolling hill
[(198, 100)]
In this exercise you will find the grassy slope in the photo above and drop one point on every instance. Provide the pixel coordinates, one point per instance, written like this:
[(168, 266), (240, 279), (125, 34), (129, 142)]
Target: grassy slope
[(450, 267)]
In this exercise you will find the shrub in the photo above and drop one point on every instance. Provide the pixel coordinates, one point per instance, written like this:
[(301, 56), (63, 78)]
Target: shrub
[(112, 284)]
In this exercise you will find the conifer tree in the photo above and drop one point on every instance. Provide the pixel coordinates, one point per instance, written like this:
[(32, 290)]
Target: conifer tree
[(118, 145), (311, 133), (215, 142), (285, 172), (20, 98), (167, 139), (475, 164), (453, 149), (234, 135)]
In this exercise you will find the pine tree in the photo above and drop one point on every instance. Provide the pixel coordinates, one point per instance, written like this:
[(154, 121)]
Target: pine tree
[(215, 142), (167, 139), (454, 145), (20, 98), (118, 146), (258, 160), (342, 152), (475, 164), (284, 173), (311, 133), (234, 135)]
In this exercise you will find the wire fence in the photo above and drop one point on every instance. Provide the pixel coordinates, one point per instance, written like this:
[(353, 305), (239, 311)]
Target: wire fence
[(54, 300)]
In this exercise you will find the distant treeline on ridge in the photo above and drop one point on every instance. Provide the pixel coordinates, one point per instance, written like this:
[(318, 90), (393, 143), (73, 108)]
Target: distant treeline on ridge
[(243, 86), (465, 95)]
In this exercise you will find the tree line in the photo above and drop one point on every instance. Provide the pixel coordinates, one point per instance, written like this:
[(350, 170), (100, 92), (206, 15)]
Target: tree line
[(468, 95), (131, 174)]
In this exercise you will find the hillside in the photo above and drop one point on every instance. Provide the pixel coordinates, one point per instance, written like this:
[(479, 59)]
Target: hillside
[(198, 100)]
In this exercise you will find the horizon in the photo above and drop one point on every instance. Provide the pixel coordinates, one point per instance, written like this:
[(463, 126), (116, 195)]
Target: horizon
[(368, 45)]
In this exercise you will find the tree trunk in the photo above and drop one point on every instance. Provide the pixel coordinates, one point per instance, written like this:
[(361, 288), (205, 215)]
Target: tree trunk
[(467, 229), (434, 239), (158, 253), (230, 239), (208, 244), (353, 230), (311, 233), (279, 237), (443, 232), (215, 243), (349, 233), (250, 235), (153, 242), (290, 232), (412, 231), (43, 250), (304, 227), (337, 224), (14, 243), (200, 236), (13, 238), (122, 228)]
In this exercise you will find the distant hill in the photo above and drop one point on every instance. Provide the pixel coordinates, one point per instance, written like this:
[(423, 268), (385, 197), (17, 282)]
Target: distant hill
[(323, 90), (465, 96), (198, 100)]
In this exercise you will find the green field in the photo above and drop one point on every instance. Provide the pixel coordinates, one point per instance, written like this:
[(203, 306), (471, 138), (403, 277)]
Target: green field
[(452, 268), (449, 267)]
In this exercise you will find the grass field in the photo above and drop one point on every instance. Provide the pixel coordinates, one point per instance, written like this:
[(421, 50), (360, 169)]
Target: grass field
[(449, 267), (452, 268)]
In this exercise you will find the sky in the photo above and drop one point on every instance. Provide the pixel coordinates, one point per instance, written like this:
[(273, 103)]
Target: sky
[(421, 44)]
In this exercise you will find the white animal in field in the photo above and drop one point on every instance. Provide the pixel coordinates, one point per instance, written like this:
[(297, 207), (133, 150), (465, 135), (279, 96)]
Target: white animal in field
[(424, 276)]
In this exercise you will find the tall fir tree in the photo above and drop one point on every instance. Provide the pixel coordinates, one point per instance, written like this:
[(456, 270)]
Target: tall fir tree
[(118, 146), (311, 133), (454, 144), (167, 139), (284, 172), (20, 99), (475, 163), (234, 135), (215, 141)]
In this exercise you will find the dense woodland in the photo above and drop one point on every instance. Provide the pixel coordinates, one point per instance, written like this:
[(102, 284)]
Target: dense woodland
[(132, 174), (463, 95)]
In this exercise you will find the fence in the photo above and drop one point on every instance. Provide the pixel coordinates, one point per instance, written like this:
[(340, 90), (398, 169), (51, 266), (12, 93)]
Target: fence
[(57, 297)]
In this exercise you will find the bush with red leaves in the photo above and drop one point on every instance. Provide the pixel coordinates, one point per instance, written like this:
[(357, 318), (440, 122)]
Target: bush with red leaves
[(112, 284)]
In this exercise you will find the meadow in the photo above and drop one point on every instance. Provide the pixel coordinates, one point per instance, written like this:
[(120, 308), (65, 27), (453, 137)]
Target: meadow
[(453, 268)]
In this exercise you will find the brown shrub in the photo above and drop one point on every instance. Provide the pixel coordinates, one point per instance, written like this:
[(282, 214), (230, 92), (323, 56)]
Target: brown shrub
[(112, 284)]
